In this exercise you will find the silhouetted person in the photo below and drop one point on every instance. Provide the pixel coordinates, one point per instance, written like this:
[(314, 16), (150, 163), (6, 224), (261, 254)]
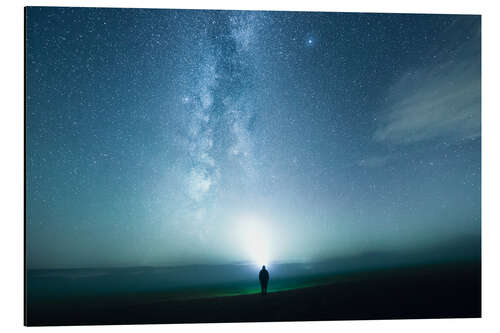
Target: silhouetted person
[(264, 279)]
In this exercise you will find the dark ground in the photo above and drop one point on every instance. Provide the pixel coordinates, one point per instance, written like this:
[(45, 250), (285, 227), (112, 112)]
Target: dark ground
[(451, 291)]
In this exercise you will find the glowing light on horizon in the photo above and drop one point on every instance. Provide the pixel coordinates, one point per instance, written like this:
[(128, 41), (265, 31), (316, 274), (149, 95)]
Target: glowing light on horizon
[(255, 239)]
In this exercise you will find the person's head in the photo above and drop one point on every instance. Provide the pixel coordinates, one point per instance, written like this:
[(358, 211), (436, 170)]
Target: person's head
[(264, 267)]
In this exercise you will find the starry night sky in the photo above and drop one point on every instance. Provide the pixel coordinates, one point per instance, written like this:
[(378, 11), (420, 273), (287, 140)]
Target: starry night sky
[(163, 137)]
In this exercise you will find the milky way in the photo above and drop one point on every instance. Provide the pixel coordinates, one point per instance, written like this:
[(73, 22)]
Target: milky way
[(153, 136)]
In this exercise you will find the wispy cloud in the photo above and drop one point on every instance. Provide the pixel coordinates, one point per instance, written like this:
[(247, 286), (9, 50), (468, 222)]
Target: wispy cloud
[(442, 99), (375, 161)]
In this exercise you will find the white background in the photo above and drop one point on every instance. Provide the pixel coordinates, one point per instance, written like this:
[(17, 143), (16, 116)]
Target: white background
[(12, 153)]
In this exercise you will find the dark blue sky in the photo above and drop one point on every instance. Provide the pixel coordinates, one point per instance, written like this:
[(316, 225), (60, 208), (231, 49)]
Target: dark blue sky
[(165, 137)]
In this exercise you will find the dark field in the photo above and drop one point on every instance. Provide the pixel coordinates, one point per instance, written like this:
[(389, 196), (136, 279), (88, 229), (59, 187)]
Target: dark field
[(431, 291)]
